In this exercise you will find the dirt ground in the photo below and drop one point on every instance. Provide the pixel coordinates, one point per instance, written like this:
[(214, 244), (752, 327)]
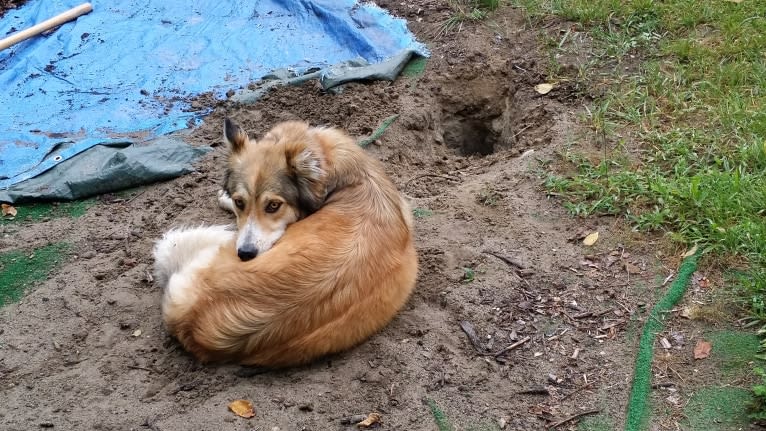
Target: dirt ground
[(87, 349)]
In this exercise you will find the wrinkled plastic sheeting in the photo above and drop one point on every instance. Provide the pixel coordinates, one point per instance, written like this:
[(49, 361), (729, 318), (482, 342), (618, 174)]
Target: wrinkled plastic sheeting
[(106, 168), (123, 74)]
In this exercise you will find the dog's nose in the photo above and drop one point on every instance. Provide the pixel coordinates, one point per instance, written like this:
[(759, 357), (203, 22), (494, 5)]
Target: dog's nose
[(247, 253)]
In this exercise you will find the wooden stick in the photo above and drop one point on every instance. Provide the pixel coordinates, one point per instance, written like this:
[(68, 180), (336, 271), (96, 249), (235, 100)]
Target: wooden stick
[(48, 24), (512, 346), (573, 417)]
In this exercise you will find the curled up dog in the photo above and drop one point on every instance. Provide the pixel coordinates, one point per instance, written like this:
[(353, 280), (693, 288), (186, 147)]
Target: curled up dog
[(322, 257)]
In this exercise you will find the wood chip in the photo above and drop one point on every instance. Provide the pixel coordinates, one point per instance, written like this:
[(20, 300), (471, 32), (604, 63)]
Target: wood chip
[(575, 354), (371, 420)]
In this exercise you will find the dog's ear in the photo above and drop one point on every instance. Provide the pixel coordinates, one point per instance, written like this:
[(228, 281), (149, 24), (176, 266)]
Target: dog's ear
[(305, 165), (234, 136)]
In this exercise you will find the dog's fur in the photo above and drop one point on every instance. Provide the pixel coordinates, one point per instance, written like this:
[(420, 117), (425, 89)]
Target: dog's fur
[(335, 259)]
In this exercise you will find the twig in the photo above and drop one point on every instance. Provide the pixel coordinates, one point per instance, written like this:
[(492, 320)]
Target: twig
[(135, 196), (512, 346), (576, 391), (469, 330), (573, 417), (509, 260)]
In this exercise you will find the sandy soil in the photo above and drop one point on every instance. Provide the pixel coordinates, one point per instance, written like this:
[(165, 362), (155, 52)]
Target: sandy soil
[(87, 350)]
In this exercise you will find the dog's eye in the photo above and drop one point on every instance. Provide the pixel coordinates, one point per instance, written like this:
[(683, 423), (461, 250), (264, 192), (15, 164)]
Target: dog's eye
[(239, 203), (273, 206)]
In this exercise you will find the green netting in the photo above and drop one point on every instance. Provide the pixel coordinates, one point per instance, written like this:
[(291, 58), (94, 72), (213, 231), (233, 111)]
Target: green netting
[(21, 270), (638, 411), (379, 131), (718, 409)]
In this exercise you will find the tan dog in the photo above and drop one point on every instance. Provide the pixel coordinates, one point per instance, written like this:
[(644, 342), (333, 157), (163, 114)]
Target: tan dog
[(322, 258)]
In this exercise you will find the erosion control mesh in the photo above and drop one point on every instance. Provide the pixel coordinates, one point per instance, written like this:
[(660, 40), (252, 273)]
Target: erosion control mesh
[(20, 270), (642, 377)]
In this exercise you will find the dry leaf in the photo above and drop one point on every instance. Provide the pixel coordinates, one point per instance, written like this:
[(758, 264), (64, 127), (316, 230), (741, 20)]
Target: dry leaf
[(544, 88), (734, 1), (242, 408), (702, 349), (690, 252), (665, 343), (590, 239), (8, 210), (686, 312), (371, 420), (632, 269)]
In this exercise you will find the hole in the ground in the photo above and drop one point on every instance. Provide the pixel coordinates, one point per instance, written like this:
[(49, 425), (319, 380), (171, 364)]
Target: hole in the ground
[(476, 115), (469, 137)]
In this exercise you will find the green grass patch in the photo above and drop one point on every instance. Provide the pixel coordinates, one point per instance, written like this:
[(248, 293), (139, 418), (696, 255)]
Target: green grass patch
[(39, 211), (717, 408), (678, 137), (467, 10), (21, 270), (686, 129)]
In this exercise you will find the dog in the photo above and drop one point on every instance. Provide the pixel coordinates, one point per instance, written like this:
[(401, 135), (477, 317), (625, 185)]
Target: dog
[(322, 256)]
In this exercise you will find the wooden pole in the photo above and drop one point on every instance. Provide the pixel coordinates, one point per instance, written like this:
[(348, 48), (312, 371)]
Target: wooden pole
[(45, 25)]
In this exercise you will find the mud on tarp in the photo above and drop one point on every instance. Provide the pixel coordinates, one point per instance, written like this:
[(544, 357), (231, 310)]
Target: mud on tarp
[(121, 76)]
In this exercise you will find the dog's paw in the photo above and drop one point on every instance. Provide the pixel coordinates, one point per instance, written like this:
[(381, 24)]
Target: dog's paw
[(225, 201)]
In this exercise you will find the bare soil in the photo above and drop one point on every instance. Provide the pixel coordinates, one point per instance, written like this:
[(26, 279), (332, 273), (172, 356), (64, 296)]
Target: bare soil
[(87, 349)]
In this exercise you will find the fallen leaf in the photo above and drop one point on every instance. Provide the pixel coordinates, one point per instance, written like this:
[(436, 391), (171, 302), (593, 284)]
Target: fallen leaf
[(544, 88), (371, 420), (580, 234), (137, 333), (704, 282), (242, 408), (690, 252), (8, 210), (686, 312), (702, 349), (632, 269), (734, 1), (665, 343), (591, 239), (674, 400)]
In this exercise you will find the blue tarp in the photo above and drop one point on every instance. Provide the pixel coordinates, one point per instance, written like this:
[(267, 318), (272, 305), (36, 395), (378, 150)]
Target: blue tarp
[(124, 72)]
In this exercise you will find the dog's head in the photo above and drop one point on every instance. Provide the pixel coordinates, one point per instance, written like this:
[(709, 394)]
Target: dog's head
[(273, 182)]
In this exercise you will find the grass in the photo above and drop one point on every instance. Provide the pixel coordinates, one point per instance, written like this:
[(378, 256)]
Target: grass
[(20, 270), (467, 10), (677, 136), (690, 154), (488, 196)]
